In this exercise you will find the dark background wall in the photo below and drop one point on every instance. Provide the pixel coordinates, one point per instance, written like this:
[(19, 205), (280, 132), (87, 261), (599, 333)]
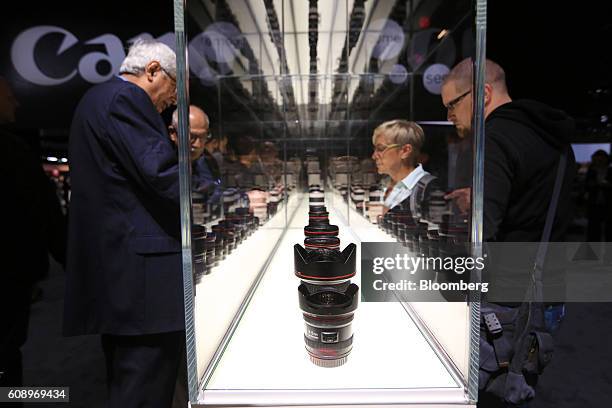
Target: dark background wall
[(559, 53)]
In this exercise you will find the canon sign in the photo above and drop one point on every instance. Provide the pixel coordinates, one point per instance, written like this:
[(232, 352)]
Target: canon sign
[(220, 42), (24, 61)]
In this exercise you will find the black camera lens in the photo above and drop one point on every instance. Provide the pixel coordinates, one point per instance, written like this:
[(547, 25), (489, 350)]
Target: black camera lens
[(328, 315), (318, 223), (272, 208), (198, 237), (358, 197), (243, 217), (199, 208), (328, 301), (317, 243), (240, 229), (209, 244), (320, 230), (318, 215), (229, 235)]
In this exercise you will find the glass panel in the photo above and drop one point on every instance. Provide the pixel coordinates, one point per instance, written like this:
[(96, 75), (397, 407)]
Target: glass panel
[(295, 91), (238, 219)]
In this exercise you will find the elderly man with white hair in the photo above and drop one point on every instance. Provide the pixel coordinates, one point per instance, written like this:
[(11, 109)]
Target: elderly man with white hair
[(124, 274)]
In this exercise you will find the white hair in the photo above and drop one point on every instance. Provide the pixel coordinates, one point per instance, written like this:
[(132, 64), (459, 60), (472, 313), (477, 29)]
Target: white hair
[(143, 51)]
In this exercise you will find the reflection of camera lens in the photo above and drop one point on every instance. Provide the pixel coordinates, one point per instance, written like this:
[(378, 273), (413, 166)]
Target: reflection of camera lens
[(314, 230), (199, 208), (327, 299), (243, 217), (316, 197), (198, 236), (229, 235), (316, 243), (358, 196), (318, 215), (209, 245), (318, 223)]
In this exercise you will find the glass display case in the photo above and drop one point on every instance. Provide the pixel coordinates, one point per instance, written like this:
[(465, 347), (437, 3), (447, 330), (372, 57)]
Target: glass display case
[(294, 91)]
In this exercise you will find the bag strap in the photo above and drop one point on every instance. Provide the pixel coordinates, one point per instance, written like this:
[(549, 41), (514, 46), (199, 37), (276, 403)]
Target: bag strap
[(532, 307), (550, 218), (418, 193)]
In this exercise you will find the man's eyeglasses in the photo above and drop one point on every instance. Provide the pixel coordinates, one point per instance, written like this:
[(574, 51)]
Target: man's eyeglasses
[(453, 104), (205, 136), (382, 148), (173, 79)]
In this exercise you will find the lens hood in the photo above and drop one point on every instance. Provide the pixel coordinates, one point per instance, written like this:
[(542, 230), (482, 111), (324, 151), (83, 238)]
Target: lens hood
[(324, 265)]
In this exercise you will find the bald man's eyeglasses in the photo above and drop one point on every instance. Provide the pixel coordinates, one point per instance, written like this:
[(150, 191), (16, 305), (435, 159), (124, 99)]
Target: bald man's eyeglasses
[(205, 136), (453, 104)]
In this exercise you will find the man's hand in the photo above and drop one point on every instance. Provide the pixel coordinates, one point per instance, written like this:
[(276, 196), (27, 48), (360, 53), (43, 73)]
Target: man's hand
[(462, 198)]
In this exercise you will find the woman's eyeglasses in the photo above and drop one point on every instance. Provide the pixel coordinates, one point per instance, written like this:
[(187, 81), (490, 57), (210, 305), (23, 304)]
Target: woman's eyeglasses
[(382, 148)]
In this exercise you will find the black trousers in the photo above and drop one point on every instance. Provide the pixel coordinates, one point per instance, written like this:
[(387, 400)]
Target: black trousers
[(141, 371)]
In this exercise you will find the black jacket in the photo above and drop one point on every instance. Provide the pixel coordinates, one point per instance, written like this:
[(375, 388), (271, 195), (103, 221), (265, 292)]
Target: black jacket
[(523, 143), (124, 273)]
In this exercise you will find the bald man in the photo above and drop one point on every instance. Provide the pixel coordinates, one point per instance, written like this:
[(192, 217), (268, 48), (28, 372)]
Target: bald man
[(524, 143), (198, 130), (203, 179), (524, 140)]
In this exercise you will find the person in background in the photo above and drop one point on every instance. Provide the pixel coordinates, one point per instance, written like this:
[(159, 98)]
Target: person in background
[(524, 143), (397, 146), (599, 189), (217, 148), (33, 226), (124, 276), (243, 169), (205, 172)]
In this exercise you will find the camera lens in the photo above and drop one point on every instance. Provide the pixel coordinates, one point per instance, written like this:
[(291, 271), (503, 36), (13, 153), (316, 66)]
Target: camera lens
[(316, 243), (327, 298), (328, 314), (318, 215), (199, 208), (358, 196), (198, 236), (314, 230), (318, 223), (243, 217), (209, 245), (316, 197)]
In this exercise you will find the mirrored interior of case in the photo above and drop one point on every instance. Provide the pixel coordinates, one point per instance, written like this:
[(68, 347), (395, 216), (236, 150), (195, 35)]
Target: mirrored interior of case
[(294, 91)]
